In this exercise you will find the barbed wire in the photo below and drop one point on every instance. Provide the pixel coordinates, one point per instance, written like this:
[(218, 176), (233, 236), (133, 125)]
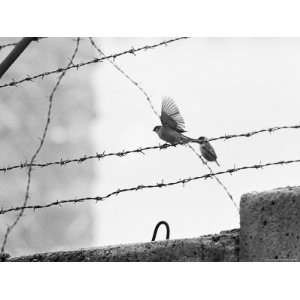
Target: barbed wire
[(15, 43), (62, 71), (161, 184), (37, 151), (251, 133), (95, 60), (215, 177), (156, 113), (153, 109), (126, 76), (140, 150), (226, 137)]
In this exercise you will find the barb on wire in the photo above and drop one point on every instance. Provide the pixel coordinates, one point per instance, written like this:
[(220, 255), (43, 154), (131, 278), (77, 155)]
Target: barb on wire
[(42, 141), (96, 60), (125, 75), (63, 162), (141, 150), (215, 177), (157, 227), (161, 184), (252, 133)]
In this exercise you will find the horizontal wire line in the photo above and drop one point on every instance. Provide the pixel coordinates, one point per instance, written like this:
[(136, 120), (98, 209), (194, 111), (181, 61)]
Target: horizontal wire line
[(63, 162), (151, 186), (95, 60)]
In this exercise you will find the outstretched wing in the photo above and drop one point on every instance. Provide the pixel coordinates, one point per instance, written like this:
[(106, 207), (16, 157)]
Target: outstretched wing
[(170, 115)]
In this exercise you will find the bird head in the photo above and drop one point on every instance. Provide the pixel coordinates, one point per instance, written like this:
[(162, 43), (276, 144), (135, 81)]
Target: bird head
[(202, 139), (156, 128)]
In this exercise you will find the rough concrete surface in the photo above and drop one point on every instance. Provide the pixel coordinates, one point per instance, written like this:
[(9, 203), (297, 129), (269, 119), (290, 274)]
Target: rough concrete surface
[(218, 247), (270, 225), (270, 231)]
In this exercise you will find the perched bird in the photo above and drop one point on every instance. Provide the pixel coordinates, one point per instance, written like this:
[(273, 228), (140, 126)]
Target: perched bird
[(172, 124), (207, 150)]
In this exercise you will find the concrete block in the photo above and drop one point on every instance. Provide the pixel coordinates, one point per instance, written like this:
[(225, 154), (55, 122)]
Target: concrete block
[(270, 225)]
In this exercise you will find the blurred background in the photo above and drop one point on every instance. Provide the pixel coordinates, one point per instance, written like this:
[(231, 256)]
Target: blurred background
[(221, 85), (23, 113)]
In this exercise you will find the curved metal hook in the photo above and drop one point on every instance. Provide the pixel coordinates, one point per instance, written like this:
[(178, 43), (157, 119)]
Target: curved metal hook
[(156, 229)]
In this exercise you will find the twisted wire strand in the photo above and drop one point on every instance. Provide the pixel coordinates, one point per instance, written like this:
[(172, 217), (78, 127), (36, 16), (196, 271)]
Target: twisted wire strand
[(140, 150), (161, 184), (93, 61), (251, 133)]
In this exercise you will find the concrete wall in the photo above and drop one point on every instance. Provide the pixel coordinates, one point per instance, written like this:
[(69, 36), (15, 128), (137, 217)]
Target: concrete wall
[(270, 231), (219, 247), (270, 225)]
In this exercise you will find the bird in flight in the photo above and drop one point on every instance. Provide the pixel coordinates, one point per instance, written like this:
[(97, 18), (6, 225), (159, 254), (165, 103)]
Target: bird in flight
[(207, 150), (172, 124)]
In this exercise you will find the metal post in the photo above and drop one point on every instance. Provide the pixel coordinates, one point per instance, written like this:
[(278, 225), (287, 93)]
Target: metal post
[(15, 53)]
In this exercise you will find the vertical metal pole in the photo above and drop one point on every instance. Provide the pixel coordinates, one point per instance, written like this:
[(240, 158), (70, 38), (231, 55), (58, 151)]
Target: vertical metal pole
[(15, 53)]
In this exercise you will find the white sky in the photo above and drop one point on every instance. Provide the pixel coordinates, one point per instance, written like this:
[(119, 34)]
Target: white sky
[(221, 85)]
